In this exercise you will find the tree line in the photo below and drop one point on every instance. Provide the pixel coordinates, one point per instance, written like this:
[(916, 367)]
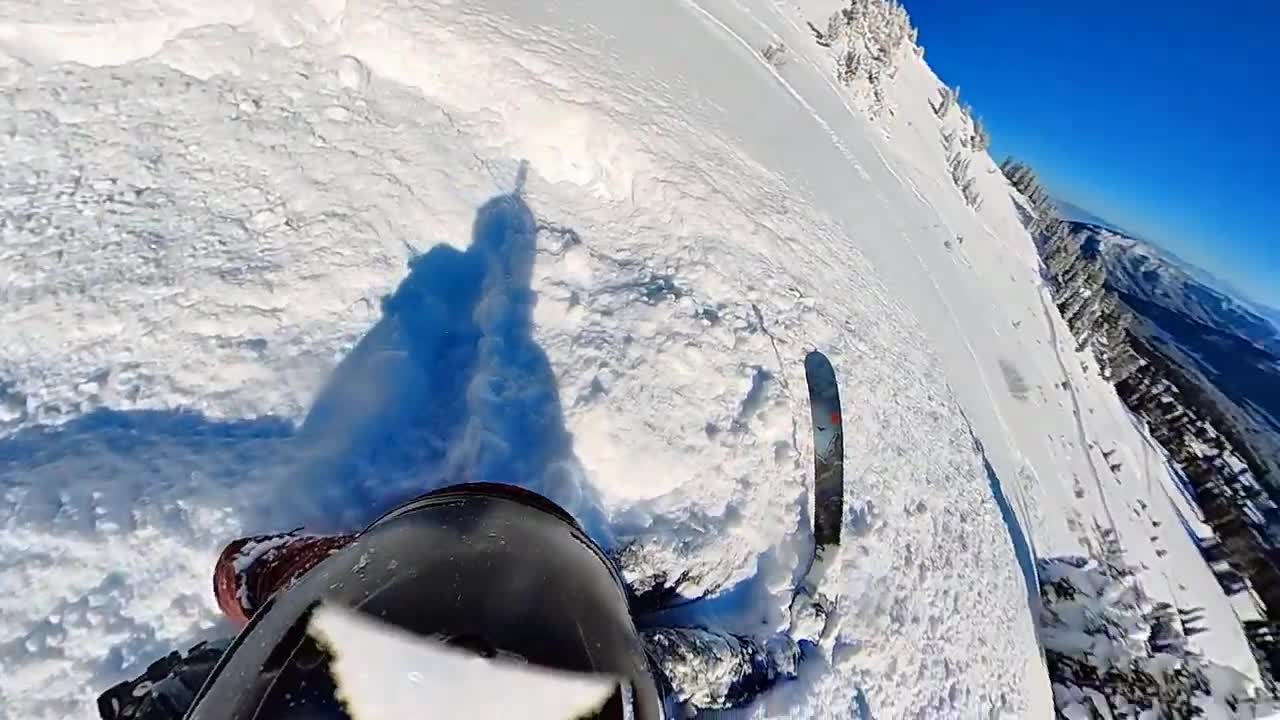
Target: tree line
[(1076, 276)]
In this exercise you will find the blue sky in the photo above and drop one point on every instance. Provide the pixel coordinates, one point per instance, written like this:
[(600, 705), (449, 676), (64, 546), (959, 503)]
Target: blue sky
[(1160, 117)]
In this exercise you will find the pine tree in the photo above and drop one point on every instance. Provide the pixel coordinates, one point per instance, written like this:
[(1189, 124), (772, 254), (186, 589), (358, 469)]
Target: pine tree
[(946, 98), (981, 138), (869, 37)]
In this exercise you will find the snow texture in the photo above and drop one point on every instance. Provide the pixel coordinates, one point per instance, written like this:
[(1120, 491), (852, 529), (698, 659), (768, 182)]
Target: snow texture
[(268, 265)]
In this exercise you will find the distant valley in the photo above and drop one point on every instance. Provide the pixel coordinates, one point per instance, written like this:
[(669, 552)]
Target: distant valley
[(1230, 344)]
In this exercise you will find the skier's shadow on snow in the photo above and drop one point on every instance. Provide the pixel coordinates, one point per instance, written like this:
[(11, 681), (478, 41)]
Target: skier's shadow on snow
[(450, 386)]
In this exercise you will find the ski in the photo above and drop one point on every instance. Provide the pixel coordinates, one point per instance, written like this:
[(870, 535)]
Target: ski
[(828, 450), (813, 617)]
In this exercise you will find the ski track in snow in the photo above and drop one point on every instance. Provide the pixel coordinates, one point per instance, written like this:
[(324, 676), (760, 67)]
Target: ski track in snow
[(289, 263), (1075, 409)]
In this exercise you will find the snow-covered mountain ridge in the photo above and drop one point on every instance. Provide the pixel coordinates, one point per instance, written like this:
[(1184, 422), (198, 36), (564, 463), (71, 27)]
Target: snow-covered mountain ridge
[(241, 292), (1142, 270)]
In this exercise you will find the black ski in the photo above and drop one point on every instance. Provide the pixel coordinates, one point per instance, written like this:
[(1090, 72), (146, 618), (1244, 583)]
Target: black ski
[(828, 450), (813, 618)]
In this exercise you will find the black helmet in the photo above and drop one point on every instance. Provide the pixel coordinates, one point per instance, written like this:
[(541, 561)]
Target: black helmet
[(490, 568)]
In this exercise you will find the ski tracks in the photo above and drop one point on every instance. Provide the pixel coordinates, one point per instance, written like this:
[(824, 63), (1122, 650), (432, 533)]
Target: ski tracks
[(1075, 406)]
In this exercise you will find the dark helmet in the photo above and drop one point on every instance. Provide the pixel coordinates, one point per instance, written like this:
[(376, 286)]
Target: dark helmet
[(493, 569)]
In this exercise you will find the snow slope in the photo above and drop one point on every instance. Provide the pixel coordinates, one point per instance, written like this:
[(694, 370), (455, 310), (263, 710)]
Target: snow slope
[(973, 281), (263, 266)]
